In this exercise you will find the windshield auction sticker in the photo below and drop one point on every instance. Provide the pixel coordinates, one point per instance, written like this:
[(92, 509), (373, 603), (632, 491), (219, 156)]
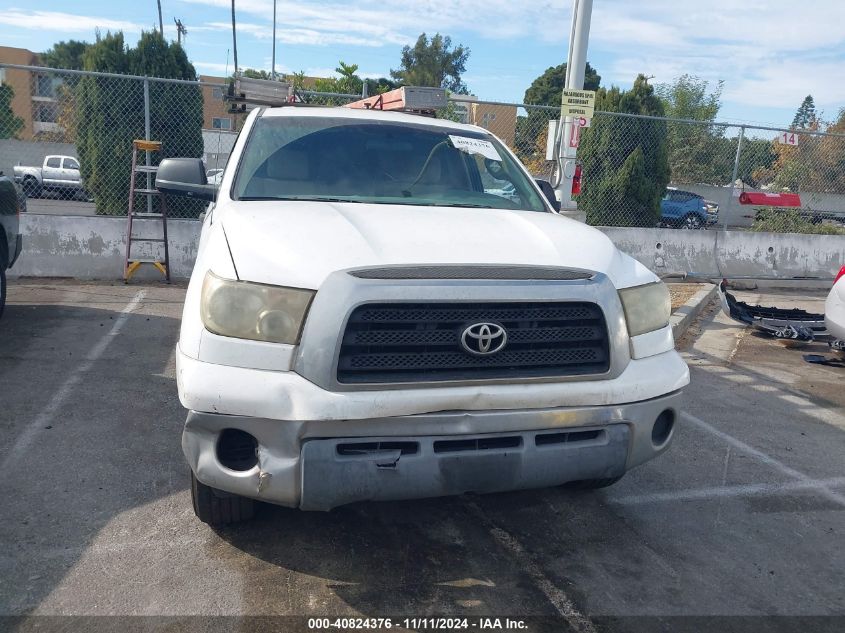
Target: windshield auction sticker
[(475, 146)]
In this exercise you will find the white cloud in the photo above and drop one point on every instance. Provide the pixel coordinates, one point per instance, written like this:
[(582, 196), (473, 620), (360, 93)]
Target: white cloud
[(771, 53), (324, 71), (63, 22), (214, 67), (789, 82), (392, 22), (295, 36)]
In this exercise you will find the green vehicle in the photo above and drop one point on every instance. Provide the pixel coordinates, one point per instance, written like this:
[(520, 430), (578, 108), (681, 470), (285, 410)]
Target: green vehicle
[(12, 204)]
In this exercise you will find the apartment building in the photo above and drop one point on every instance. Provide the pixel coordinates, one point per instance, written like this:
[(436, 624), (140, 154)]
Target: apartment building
[(499, 119), (215, 111), (35, 94)]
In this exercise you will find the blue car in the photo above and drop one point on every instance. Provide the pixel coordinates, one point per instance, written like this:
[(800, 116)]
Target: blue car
[(684, 210)]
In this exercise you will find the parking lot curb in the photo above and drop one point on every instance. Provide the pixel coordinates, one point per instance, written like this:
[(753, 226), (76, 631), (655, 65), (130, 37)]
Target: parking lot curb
[(683, 317)]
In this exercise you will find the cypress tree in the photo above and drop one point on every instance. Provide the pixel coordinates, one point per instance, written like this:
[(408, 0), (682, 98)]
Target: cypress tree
[(626, 164), (110, 115)]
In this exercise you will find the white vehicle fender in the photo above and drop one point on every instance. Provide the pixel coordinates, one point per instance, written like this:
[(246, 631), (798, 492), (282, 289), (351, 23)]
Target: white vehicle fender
[(213, 255)]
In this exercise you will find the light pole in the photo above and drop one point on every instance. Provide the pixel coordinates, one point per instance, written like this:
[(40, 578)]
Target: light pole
[(575, 70), (273, 66), (160, 21), (234, 39)]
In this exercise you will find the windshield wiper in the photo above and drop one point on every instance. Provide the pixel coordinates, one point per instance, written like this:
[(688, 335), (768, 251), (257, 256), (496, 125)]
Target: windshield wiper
[(327, 200), (468, 205), (298, 199), (405, 203)]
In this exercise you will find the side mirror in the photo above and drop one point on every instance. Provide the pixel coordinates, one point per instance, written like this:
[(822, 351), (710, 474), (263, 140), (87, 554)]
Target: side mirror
[(549, 192), (184, 177)]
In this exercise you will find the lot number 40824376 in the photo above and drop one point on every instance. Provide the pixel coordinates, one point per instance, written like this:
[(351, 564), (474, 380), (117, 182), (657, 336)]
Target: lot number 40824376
[(788, 138)]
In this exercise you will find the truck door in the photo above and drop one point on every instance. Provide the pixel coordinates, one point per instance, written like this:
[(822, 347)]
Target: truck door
[(51, 174), (70, 171)]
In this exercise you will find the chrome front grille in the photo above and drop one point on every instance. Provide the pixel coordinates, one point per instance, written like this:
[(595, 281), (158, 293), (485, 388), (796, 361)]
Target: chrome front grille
[(421, 342)]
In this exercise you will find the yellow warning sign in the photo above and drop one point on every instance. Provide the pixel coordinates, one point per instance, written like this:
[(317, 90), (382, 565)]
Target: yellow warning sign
[(579, 103)]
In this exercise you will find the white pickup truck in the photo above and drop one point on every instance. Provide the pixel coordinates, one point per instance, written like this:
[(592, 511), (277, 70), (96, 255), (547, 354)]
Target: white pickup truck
[(370, 318), (58, 174)]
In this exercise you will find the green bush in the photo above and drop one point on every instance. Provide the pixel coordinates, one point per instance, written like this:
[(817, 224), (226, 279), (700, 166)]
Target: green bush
[(774, 220), (626, 163)]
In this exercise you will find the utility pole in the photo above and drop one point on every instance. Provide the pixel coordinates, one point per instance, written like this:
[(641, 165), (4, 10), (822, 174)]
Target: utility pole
[(575, 70), (160, 21), (273, 66), (180, 31)]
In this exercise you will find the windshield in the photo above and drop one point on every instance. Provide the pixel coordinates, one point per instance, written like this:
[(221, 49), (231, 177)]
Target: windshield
[(380, 162)]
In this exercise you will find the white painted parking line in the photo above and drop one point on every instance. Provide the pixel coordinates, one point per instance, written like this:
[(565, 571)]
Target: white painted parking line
[(558, 598), (48, 413), (766, 459), (722, 492)]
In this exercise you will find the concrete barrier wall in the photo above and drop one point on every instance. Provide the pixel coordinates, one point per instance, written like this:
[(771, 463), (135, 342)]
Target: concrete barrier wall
[(733, 253), (93, 248)]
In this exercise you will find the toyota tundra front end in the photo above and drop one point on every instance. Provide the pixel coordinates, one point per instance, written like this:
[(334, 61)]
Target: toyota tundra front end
[(371, 318)]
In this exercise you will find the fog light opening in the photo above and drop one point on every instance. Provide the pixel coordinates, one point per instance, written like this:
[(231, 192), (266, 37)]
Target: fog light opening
[(237, 450), (662, 428)]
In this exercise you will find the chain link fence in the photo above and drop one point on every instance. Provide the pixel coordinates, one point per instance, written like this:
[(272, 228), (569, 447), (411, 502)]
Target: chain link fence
[(75, 149), (74, 146), (652, 171)]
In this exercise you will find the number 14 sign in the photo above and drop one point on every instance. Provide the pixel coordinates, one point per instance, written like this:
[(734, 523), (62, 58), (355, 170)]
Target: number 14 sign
[(788, 138)]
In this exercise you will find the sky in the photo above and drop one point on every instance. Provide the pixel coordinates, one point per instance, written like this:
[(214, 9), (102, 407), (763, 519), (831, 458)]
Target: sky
[(769, 53)]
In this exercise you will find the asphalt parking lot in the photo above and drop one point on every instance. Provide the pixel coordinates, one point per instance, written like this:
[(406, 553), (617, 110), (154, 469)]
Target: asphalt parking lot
[(744, 516)]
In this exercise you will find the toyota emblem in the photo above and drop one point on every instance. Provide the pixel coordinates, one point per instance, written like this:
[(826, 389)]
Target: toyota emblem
[(484, 339)]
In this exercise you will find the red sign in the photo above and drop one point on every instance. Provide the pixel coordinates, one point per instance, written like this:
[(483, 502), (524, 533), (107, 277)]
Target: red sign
[(575, 130), (770, 199), (574, 134)]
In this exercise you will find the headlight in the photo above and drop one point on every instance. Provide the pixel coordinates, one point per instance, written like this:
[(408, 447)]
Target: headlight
[(647, 308), (253, 311)]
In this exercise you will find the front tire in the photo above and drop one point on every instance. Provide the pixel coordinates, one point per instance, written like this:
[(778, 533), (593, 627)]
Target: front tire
[(216, 507), (691, 222), (31, 188)]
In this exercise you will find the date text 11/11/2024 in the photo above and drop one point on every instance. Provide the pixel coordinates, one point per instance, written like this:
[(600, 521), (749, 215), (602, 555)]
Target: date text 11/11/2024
[(418, 624)]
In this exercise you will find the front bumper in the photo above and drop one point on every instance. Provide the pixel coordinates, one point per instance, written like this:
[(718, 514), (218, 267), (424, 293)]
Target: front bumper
[(319, 465), (286, 395)]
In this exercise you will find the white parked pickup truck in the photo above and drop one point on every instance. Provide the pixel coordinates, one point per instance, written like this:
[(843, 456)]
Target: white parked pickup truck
[(58, 173), (369, 318)]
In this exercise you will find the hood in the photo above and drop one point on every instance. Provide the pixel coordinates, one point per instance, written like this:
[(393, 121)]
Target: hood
[(299, 244)]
